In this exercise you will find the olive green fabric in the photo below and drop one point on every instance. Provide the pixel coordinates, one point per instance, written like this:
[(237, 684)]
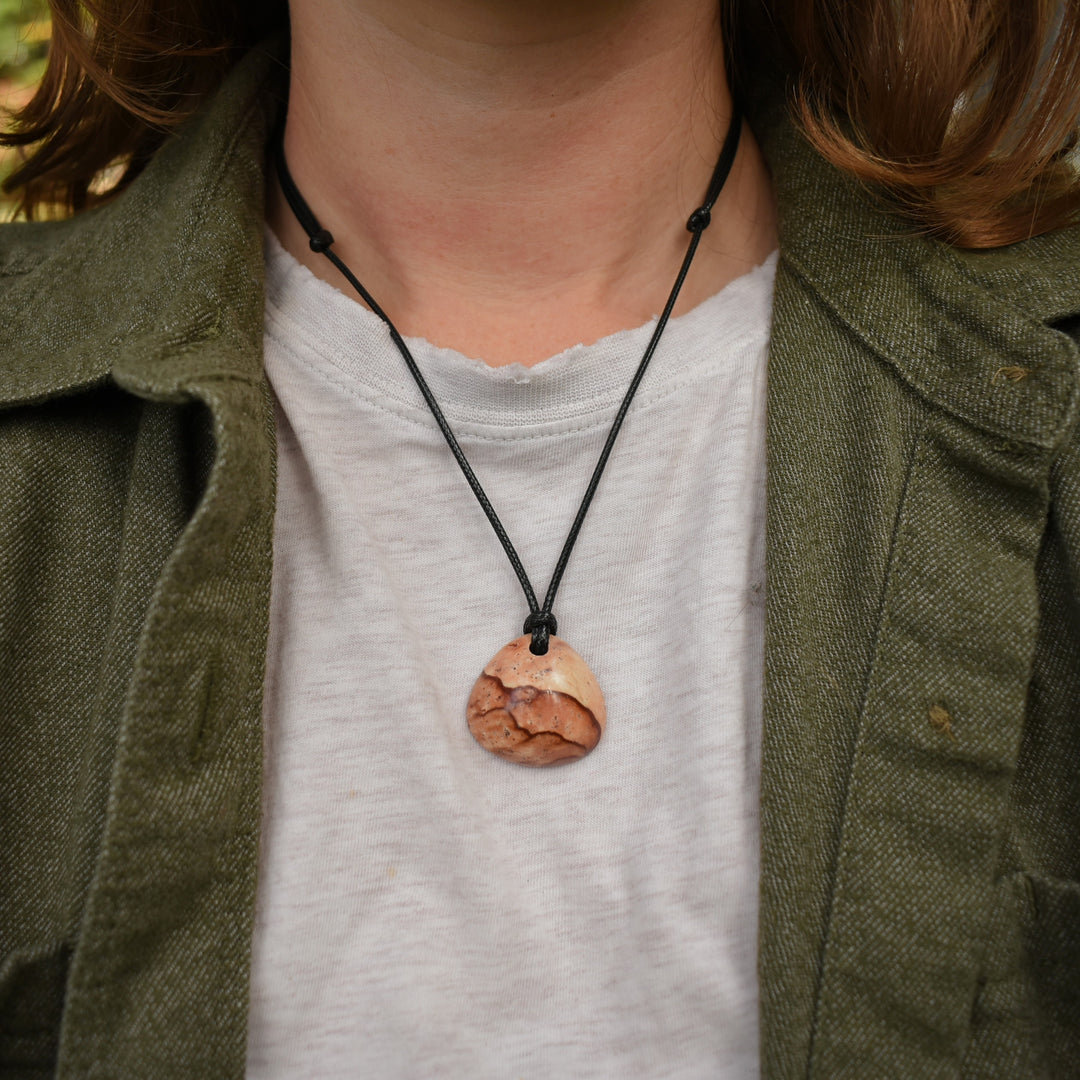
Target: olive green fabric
[(920, 883)]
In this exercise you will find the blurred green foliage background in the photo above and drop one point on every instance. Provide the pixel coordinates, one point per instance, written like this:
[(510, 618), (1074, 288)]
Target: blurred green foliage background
[(24, 41), (24, 45)]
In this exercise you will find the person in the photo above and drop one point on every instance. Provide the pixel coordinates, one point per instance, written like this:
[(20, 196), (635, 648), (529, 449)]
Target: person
[(826, 586)]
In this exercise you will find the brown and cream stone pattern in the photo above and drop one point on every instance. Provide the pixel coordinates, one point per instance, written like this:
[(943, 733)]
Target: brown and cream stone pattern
[(537, 710)]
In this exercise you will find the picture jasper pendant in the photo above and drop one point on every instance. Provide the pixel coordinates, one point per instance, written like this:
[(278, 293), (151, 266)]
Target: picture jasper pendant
[(537, 710)]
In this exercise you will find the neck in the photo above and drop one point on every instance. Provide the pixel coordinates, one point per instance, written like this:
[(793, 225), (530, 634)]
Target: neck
[(511, 177)]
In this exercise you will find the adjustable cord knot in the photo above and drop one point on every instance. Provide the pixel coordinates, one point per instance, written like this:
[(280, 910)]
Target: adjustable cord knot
[(699, 220), (321, 240), (540, 624)]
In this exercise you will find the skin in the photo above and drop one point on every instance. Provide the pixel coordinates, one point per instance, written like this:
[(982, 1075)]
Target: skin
[(512, 177)]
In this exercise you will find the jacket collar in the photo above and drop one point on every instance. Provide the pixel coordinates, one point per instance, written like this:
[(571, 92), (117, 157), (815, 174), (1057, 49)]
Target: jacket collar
[(924, 308), (164, 284)]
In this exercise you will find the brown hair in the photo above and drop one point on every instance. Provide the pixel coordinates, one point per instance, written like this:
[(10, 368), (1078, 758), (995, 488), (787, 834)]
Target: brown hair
[(964, 112)]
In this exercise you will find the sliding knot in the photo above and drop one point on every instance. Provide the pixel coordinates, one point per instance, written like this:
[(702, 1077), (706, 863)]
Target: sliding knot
[(540, 624), (321, 240), (699, 220)]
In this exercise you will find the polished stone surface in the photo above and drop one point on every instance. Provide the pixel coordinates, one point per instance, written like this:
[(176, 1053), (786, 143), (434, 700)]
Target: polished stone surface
[(537, 710)]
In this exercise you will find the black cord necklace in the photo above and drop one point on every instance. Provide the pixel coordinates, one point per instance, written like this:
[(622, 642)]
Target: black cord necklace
[(537, 702)]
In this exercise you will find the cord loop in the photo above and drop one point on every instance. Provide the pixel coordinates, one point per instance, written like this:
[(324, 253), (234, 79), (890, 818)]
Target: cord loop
[(540, 624)]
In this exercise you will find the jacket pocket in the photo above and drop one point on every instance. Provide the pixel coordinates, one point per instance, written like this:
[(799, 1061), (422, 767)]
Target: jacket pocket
[(32, 990), (1026, 1018)]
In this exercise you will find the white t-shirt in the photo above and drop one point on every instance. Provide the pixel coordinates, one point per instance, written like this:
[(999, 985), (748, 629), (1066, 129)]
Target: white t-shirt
[(426, 908)]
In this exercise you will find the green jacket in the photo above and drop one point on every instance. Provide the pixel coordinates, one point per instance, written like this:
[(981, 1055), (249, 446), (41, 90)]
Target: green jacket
[(920, 882)]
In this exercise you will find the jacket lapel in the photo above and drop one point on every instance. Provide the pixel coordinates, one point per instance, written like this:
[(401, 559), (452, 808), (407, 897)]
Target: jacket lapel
[(160, 293)]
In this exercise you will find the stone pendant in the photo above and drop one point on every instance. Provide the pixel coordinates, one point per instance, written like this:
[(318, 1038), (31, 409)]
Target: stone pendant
[(537, 710)]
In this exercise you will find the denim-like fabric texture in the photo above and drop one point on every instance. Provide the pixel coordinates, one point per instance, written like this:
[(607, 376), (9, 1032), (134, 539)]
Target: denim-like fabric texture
[(920, 892)]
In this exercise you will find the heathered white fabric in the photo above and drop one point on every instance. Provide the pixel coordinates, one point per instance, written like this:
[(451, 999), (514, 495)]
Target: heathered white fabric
[(425, 908)]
